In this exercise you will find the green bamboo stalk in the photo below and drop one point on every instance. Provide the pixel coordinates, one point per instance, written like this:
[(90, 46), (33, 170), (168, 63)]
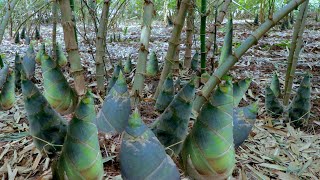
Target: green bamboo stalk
[(220, 17), (300, 107), (148, 13), (173, 43), (54, 28), (9, 9), (46, 126), (115, 111), (208, 151), (295, 50), (7, 96), (203, 35), (172, 126), (152, 65), (81, 157), (29, 63), (227, 44), (72, 46), (231, 60), (56, 88), (166, 95), (100, 45), (139, 145), (189, 36)]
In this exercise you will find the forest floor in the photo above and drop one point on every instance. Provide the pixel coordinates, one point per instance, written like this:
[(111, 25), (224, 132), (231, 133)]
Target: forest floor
[(273, 150)]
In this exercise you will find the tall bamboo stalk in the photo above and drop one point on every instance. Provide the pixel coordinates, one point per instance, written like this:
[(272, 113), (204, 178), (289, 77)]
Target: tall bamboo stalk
[(220, 16), (54, 29), (148, 13), (173, 43), (203, 35), (5, 20), (189, 38), (100, 45), (72, 46), (206, 91), (295, 50)]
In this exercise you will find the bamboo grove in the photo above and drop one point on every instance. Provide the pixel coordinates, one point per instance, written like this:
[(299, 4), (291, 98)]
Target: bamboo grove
[(220, 125)]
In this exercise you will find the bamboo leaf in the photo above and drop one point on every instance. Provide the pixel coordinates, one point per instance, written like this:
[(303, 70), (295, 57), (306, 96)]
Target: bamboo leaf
[(81, 157), (152, 65), (57, 89), (7, 96), (29, 63), (243, 121), (145, 154), (172, 126), (300, 107), (115, 111), (208, 151), (239, 89), (273, 106), (166, 94), (47, 127)]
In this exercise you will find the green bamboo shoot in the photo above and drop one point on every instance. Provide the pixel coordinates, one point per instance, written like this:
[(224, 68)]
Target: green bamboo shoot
[(275, 85), (56, 88), (41, 51), (29, 63), (7, 96), (46, 126), (61, 58), (166, 95), (208, 151), (172, 126), (299, 110), (152, 66), (17, 70), (115, 111), (142, 156), (128, 65), (273, 106), (81, 157), (227, 44), (239, 89)]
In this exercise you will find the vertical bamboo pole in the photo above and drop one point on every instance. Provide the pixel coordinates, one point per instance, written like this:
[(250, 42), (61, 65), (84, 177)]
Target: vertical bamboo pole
[(295, 48), (148, 13), (173, 43), (220, 16), (5, 20), (208, 88), (54, 29), (100, 45), (203, 35), (189, 38), (72, 46)]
